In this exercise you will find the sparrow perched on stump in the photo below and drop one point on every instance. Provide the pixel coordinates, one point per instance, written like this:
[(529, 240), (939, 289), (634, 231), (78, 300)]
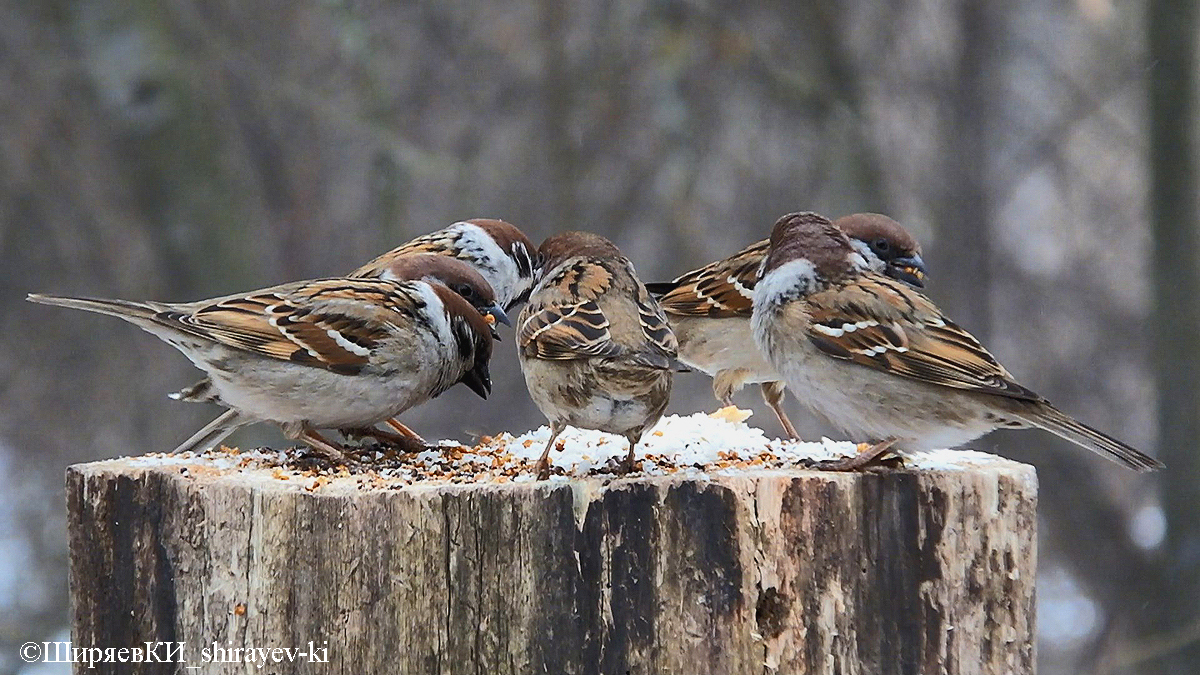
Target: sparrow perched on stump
[(594, 346), (333, 353), (709, 308), (881, 361), (499, 253)]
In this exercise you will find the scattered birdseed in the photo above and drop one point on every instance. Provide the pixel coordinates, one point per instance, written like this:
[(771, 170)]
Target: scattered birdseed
[(718, 443)]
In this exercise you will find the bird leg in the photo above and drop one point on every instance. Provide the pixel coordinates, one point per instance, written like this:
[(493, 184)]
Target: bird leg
[(630, 464), (542, 467), (860, 461), (404, 430), (773, 393), (728, 382), (327, 449)]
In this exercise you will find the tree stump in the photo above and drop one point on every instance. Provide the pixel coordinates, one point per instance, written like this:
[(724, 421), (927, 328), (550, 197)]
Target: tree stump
[(777, 571)]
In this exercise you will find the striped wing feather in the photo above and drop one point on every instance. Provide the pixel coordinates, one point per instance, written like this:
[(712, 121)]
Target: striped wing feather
[(882, 324), (724, 288), (308, 323)]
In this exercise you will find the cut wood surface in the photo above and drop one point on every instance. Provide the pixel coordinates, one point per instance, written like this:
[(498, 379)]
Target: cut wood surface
[(917, 571)]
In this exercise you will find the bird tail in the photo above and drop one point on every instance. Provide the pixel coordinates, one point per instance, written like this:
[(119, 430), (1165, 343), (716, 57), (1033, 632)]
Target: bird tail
[(137, 312), (214, 432), (1051, 419)]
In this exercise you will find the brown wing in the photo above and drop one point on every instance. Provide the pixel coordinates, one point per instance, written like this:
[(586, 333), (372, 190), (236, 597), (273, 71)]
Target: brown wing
[(654, 323), (882, 324), (440, 242), (724, 288), (311, 322), (563, 319)]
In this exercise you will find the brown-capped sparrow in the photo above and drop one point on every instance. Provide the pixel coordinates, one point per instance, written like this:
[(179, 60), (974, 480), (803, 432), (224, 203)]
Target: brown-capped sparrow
[(881, 361), (496, 249), (594, 346), (453, 273), (709, 308), (334, 353)]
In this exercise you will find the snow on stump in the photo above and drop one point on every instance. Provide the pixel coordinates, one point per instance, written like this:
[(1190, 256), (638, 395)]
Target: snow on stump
[(724, 555)]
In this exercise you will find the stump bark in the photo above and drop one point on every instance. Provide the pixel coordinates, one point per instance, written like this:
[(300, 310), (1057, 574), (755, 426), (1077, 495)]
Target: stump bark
[(905, 572)]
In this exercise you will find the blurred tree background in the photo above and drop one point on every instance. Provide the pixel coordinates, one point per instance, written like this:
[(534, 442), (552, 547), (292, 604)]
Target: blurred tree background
[(1041, 149)]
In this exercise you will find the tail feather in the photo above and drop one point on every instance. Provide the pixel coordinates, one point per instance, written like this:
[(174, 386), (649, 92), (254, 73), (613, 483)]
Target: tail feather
[(1063, 426), (125, 309), (214, 432)]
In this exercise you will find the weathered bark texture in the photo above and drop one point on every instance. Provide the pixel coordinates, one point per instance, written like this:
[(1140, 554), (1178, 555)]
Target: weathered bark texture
[(760, 572)]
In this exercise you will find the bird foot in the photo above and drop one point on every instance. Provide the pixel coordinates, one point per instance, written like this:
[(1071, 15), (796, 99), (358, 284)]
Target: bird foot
[(391, 444), (403, 430), (874, 455), (311, 458), (622, 466), (542, 469)]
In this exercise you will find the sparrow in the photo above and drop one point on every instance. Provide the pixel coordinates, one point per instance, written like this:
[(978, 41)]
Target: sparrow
[(594, 345), (497, 250), (334, 353), (881, 362), (709, 308), (453, 273)]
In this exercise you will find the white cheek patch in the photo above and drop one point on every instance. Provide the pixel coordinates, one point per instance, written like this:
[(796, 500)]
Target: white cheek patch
[(433, 312), (869, 259), (497, 266)]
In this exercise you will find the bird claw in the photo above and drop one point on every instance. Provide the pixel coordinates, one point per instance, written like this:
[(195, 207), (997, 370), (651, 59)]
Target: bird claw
[(877, 455), (621, 466), (310, 458), (542, 469)]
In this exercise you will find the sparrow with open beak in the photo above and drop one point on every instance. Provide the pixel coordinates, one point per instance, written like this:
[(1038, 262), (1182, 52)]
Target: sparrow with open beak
[(709, 308), (881, 361), (334, 353), (594, 346)]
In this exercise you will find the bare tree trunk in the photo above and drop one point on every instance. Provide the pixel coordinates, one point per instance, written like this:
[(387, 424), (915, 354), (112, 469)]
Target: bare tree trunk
[(1176, 315), (902, 572), (558, 97), (964, 221)]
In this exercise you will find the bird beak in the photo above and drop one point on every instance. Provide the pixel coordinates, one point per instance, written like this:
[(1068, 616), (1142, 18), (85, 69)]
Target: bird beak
[(479, 380), (498, 312), (910, 270)]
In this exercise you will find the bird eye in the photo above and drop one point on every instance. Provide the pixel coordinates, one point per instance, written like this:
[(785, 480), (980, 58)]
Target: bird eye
[(466, 291), (881, 245)]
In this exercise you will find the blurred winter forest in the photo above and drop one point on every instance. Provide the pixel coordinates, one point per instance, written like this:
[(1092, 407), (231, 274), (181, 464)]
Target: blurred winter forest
[(1042, 150)]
